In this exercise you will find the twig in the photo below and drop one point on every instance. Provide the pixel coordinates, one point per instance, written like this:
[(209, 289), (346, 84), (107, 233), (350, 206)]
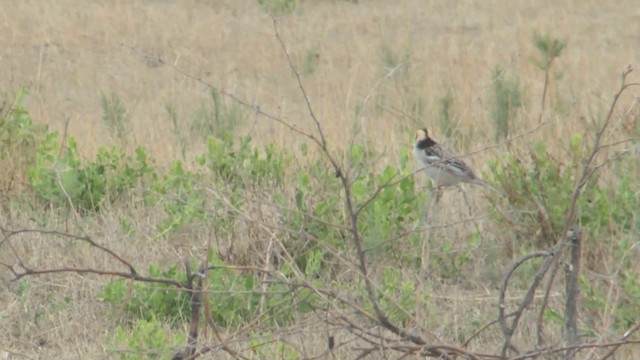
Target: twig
[(485, 327), (549, 351), (323, 140), (9, 233), (623, 341), (508, 330)]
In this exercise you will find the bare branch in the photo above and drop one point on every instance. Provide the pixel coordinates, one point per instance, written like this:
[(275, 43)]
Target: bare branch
[(133, 276), (623, 341), (575, 348), (508, 330), (323, 140), (9, 233)]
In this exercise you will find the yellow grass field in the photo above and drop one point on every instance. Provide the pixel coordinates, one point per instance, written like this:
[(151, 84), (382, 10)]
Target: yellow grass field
[(374, 71)]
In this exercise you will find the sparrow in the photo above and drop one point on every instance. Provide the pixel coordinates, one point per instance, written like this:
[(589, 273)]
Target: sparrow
[(440, 164)]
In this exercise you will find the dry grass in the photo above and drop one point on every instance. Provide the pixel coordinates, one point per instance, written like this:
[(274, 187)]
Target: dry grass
[(69, 52)]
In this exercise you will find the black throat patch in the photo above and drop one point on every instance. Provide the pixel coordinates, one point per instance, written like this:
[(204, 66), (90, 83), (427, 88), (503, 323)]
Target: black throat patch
[(425, 143)]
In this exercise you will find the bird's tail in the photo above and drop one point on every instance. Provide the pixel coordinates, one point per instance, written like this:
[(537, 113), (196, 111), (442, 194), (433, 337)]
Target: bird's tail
[(487, 185)]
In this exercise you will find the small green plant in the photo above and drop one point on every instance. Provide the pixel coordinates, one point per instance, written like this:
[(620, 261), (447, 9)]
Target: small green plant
[(597, 299), (539, 189), (392, 211), (60, 179), (507, 99), (311, 209), (179, 193), (234, 299), (549, 49), (398, 298), (451, 260), (316, 209), (146, 339), (287, 352), (18, 136), (115, 117), (392, 58), (279, 6), (218, 120), (181, 134), (150, 302), (231, 168), (243, 166), (445, 115), (539, 192), (310, 62)]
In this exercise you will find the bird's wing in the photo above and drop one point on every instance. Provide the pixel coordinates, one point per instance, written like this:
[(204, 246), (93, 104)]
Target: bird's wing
[(445, 159), (460, 168)]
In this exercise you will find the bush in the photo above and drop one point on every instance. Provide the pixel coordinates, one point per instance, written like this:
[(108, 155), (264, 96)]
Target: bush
[(60, 179), (18, 137), (507, 99), (149, 302), (146, 339), (234, 299)]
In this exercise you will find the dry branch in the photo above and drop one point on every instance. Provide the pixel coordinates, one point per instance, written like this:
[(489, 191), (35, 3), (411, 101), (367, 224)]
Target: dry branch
[(509, 329), (572, 272), (24, 270)]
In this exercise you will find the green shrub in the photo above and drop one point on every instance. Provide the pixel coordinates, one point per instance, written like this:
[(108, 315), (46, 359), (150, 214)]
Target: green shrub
[(217, 119), (146, 339), (317, 208), (60, 179), (450, 258), (507, 99), (279, 6), (242, 166), (18, 137), (310, 62), (179, 193), (115, 117), (229, 169), (548, 48), (234, 299), (399, 298), (538, 198), (149, 301), (538, 193), (446, 117)]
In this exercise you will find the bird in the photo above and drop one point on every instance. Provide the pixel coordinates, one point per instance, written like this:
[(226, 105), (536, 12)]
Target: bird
[(442, 165)]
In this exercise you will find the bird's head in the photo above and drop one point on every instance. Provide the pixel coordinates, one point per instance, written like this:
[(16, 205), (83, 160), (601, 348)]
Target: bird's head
[(423, 140), (422, 134)]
